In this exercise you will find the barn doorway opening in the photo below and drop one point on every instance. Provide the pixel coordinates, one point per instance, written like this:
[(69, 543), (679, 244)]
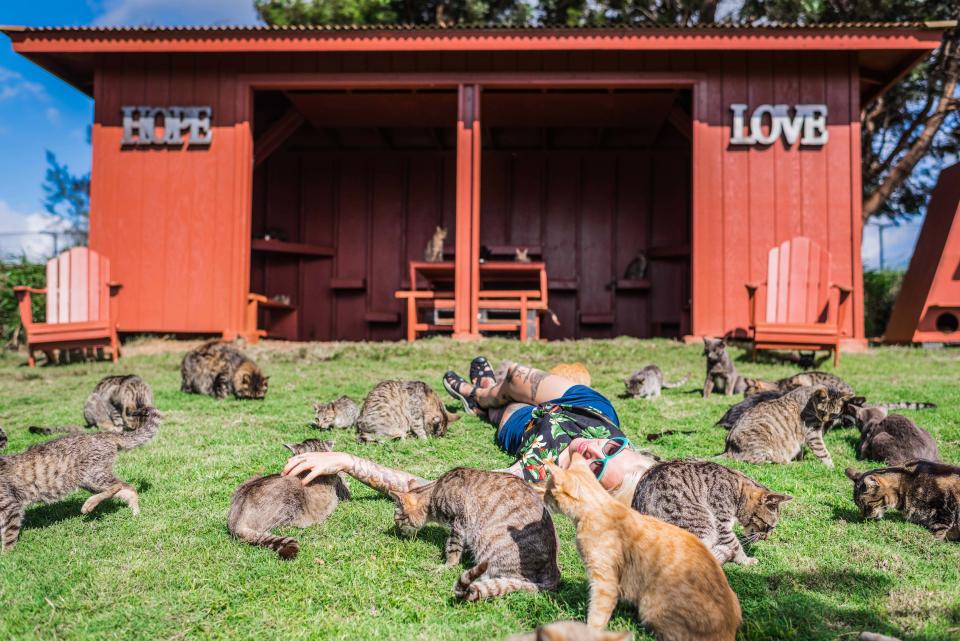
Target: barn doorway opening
[(596, 183)]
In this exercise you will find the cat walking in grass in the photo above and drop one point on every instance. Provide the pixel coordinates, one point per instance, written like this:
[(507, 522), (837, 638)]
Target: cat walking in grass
[(50, 471), (667, 573), (495, 516), (264, 503)]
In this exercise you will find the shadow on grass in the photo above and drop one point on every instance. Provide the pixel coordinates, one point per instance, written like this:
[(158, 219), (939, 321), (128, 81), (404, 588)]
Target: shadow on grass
[(849, 514), (46, 515), (821, 604)]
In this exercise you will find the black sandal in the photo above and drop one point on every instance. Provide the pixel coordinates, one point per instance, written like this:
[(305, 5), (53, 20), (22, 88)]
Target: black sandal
[(452, 382), (480, 368)]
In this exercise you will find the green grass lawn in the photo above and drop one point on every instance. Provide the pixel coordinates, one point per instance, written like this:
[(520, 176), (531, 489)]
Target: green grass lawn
[(174, 573)]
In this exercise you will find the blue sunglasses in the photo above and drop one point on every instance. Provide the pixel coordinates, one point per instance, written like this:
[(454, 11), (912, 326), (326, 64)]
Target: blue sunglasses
[(610, 449)]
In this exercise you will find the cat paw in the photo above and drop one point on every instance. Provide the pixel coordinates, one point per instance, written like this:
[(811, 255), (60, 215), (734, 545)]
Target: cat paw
[(748, 561)]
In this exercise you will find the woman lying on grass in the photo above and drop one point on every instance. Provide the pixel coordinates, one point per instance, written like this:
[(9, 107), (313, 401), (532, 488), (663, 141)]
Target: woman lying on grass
[(540, 418)]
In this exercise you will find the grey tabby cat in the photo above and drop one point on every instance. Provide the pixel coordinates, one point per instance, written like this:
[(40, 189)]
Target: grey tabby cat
[(775, 431), (499, 518), (340, 413), (803, 379), (732, 415), (264, 503), (892, 438), (722, 374), (706, 499), (434, 251), (926, 493), (3, 439), (110, 405), (49, 471), (395, 409), (521, 255), (219, 369), (570, 631), (648, 382)]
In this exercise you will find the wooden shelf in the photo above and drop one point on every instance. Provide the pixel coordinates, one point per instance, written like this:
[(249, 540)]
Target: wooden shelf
[(668, 252), (348, 283), (632, 284), (283, 247), (596, 319), (564, 284), (277, 305), (382, 317)]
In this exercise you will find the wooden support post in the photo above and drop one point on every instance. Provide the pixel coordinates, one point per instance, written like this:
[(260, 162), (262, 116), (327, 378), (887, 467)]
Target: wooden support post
[(467, 263)]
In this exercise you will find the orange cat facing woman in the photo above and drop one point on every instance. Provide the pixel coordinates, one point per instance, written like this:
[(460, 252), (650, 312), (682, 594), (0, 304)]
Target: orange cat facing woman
[(667, 573)]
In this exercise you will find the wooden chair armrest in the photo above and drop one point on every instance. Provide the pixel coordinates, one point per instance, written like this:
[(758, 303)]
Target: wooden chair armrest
[(23, 289), (842, 305), (842, 288), (256, 298), (752, 296)]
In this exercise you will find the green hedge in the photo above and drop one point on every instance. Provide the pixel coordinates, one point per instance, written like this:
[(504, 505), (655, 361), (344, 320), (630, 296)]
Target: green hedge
[(880, 290), (11, 275)]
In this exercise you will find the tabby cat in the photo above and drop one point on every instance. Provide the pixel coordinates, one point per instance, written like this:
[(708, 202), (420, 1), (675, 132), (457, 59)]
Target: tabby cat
[(803, 379), (667, 573), (219, 369), (264, 503), (926, 493), (637, 268), (893, 439), (50, 471), (730, 418), (434, 251), (776, 430), (648, 382), (706, 499), (576, 373), (394, 409), (502, 521), (570, 631), (722, 374), (3, 439), (521, 255), (341, 413), (110, 405)]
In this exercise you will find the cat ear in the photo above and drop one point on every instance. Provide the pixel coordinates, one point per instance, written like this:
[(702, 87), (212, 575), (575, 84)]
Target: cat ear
[(292, 448), (821, 393), (451, 418), (852, 474), (776, 498)]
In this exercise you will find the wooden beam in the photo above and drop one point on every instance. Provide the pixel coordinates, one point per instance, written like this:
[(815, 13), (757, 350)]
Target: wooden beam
[(277, 134), (681, 121)]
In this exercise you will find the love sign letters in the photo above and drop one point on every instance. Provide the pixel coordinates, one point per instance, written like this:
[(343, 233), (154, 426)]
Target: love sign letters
[(808, 124), (166, 126)]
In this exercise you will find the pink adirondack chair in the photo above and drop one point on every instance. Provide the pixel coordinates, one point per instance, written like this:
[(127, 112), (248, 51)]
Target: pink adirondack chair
[(81, 306), (798, 314)]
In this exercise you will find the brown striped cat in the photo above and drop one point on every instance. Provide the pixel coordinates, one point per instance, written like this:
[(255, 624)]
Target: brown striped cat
[(434, 251), (341, 413), (495, 515), (706, 499), (3, 438), (49, 471), (676, 584), (396, 409), (219, 370), (264, 503), (732, 415), (803, 379), (110, 405), (926, 493), (775, 431)]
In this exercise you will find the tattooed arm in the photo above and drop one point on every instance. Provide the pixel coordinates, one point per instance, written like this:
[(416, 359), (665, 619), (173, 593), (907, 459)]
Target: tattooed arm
[(379, 477)]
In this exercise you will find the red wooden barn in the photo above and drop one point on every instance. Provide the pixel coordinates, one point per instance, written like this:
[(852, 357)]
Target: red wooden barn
[(311, 166)]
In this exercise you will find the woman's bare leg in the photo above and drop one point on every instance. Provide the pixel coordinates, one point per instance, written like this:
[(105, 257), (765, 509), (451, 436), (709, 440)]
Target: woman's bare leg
[(521, 384)]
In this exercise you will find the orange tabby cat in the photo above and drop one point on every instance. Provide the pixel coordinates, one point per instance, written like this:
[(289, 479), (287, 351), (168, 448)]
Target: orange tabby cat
[(574, 372), (667, 573)]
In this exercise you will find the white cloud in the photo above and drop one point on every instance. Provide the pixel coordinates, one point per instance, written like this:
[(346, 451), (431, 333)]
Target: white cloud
[(21, 233), (173, 13), (13, 84), (53, 115), (898, 244)]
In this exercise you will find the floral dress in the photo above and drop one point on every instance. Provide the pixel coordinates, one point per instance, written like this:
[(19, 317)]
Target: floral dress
[(551, 429)]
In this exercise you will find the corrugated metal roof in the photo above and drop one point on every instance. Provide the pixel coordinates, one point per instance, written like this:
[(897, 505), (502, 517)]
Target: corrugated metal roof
[(943, 24)]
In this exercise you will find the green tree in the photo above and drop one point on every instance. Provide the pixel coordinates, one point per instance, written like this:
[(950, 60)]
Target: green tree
[(67, 196), (374, 12)]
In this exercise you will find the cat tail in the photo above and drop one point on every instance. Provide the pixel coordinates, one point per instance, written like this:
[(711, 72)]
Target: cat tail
[(286, 547), (149, 425), (469, 588), (47, 431), (907, 405), (682, 381), (553, 317)]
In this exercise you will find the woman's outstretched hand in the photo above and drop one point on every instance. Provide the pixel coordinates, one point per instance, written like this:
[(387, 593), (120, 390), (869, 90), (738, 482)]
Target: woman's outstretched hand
[(316, 464)]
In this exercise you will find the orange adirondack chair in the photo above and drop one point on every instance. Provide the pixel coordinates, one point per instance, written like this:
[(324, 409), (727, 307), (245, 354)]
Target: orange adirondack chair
[(798, 314), (81, 305)]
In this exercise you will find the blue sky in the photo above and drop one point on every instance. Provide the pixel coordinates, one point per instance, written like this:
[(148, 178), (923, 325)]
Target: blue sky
[(40, 112)]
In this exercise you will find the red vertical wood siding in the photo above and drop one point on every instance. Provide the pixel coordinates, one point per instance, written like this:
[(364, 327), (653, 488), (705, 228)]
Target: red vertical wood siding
[(176, 223)]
